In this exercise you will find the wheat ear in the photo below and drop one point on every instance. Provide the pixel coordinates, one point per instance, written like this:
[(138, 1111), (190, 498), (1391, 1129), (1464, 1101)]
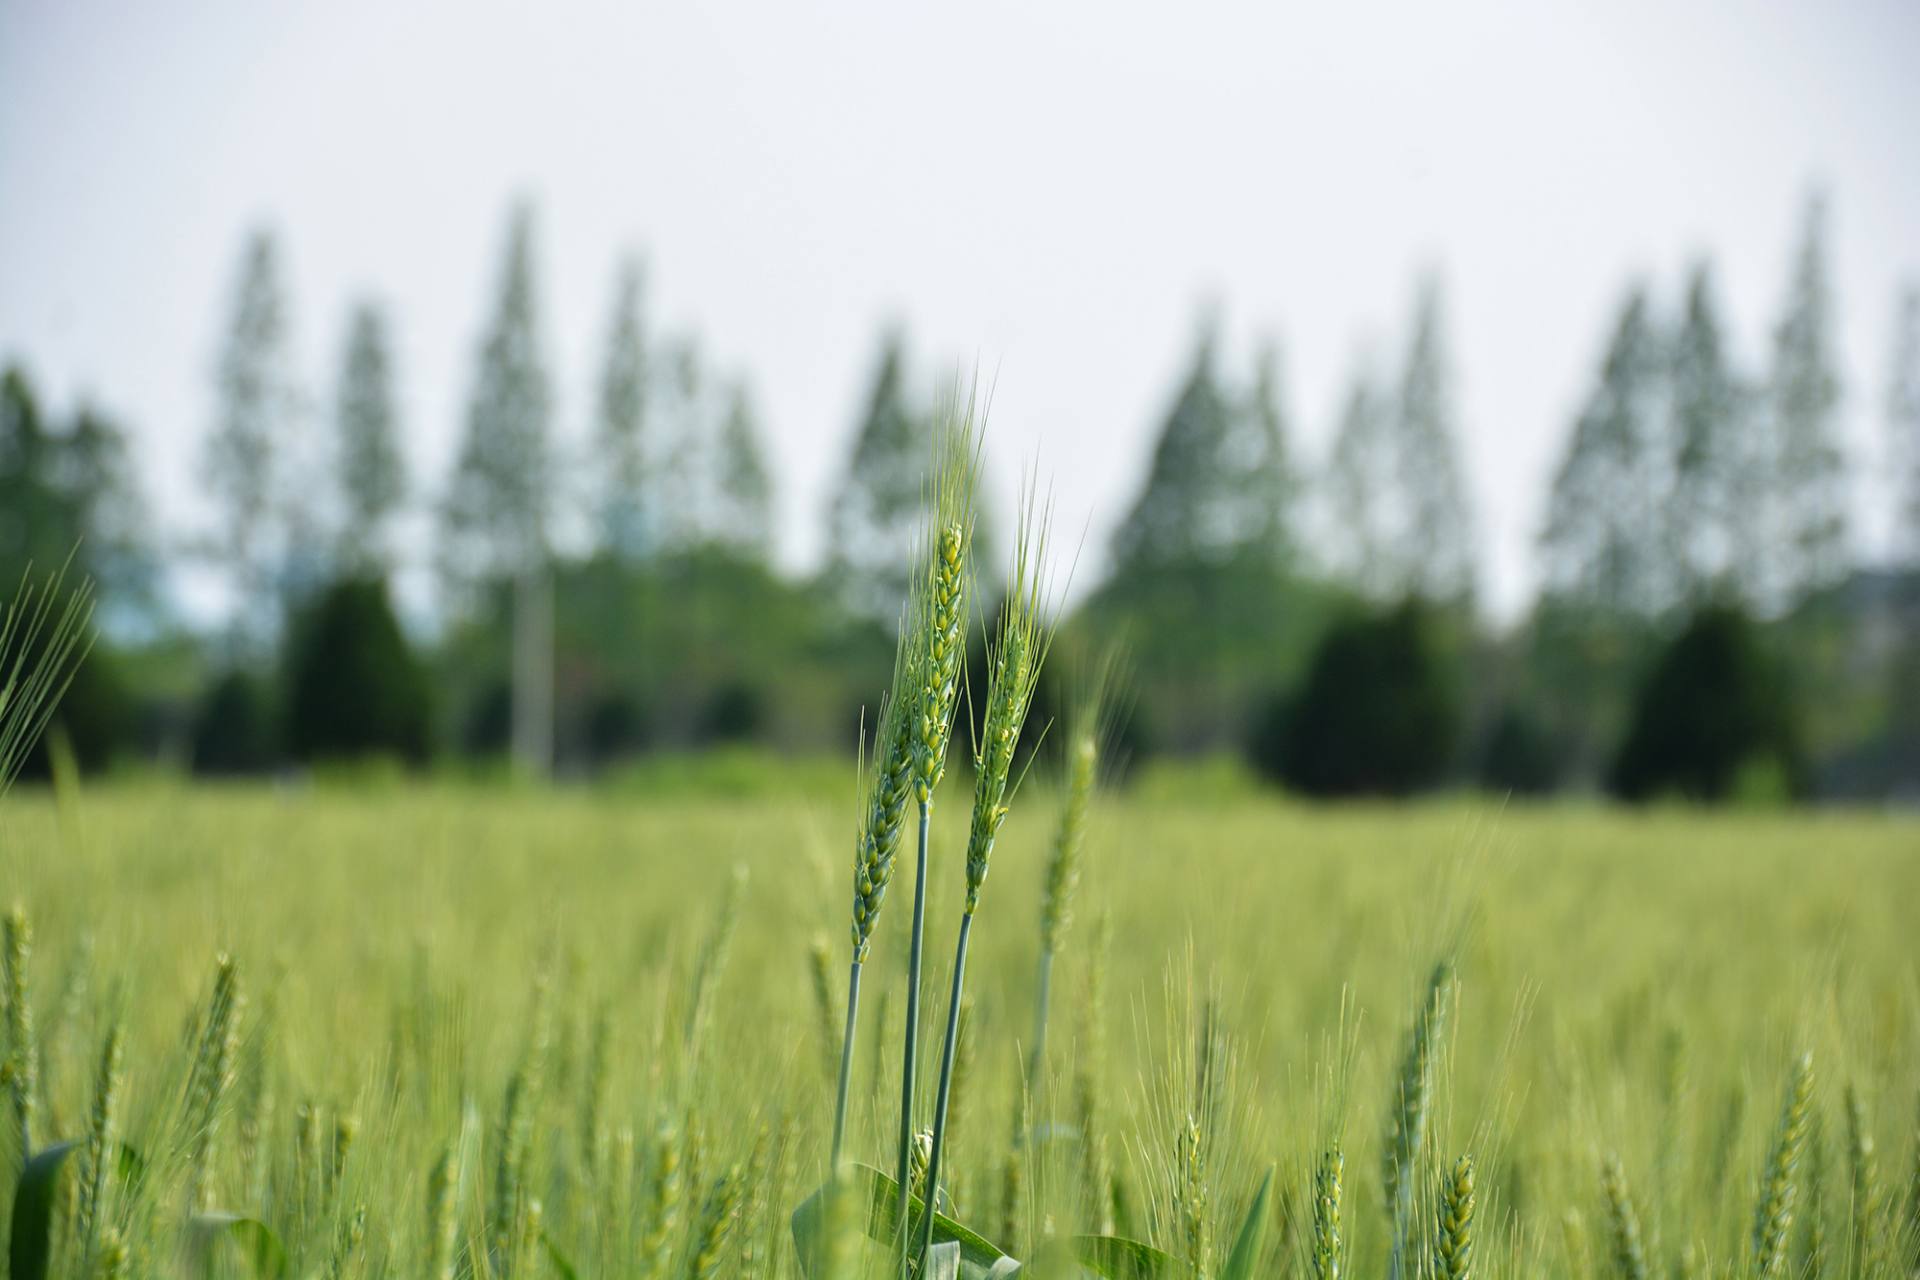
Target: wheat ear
[(1773, 1216)]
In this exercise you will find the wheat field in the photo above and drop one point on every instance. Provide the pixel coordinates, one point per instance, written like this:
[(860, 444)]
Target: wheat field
[(467, 1031)]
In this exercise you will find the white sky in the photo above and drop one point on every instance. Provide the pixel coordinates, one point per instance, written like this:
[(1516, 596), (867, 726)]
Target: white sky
[(1051, 190)]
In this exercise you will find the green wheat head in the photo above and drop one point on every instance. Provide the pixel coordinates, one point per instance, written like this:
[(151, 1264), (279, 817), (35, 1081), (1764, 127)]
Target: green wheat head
[(1413, 1092), (1013, 661), (1087, 729), (718, 1217), (1868, 1240), (1629, 1252), (212, 1075), (103, 1137), (1327, 1188), (23, 1052), (1773, 1216), (886, 786), (942, 590), (443, 1223), (1455, 1248), (663, 1212)]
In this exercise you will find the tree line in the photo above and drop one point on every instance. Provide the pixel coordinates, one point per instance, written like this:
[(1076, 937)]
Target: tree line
[(595, 606)]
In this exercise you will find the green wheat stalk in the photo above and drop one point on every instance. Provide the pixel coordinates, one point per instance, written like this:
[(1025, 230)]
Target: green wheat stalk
[(23, 1052), (1412, 1098), (1773, 1216), (1866, 1244), (1014, 661), (886, 785), (945, 581), (1629, 1252), (103, 1138), (211, 1076), (1087, 728)]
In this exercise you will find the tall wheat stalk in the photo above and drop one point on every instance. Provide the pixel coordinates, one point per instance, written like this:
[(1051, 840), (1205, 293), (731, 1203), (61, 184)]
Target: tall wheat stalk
[(1629, 1253), (1407, 1116), (885, 786), (946, 579), (1865, 1237), (1779, 1183), (1014, 661), (1087, 725), (23, 1051)]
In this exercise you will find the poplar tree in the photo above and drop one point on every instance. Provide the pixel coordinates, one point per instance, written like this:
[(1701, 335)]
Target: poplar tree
[(743, 484), (1715, 477), (1903, 427), (1358, 488), (621, 473), (1808, 490), (1272, 487), (1436, 537), (247, 455), (1603, 544), (1187, 513), (495, 520), (496, 517), (876, 509), (372, 468)]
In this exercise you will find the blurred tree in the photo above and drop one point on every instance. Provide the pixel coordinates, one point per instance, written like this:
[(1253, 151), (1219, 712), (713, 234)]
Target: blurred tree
[(233, 733), (1603, 545), (1713, 708), (1271, 487), (1902, 677), (736, 712), (498, 506), (496, 519), (620, 443), (1436, 547), (1808, 493), (1191, 510), (355, 687), (1520, 754), (38, 525), (682, 494), (1204, 582), (70, 493), (373, 471), (1715, 485), (876, 511), (743, 520), (1903, 427), (93, 470), (1379, 713), (250, 470), (1359, 491)]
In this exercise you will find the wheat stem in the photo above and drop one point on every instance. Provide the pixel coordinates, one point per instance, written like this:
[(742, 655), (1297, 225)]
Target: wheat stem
[(912, 1039), (846, 1063), (946, 1082)]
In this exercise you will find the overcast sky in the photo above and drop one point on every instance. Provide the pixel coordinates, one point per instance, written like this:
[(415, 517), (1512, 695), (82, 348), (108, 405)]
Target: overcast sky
[(1050, 190)]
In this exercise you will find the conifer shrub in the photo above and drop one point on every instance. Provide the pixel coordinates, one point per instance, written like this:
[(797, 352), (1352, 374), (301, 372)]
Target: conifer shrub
[(233, 731), (1519, 754), (1713, 710), (735, 712), (355, 688), (1380, 711)]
